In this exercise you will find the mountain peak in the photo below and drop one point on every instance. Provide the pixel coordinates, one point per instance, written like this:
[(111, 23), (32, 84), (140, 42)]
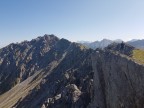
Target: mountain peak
[(46, 37), (122, 48), (106, 39)]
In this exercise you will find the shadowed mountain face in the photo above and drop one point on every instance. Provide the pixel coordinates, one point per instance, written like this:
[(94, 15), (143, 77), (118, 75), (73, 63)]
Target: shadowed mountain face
[(49, 72)]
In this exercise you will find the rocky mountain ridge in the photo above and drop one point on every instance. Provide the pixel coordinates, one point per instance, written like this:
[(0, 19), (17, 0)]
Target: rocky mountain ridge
[(19, 61), (48, 72), (118, 79), (44, 69)]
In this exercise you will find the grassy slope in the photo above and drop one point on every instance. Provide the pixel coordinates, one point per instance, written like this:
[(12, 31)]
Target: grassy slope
[(10, 98), (138, 56)]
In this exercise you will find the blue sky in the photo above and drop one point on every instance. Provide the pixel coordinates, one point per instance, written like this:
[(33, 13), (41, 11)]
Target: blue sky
[(71, 19)]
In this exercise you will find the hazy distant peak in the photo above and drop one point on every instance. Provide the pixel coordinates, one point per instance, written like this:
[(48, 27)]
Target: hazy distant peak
[(137, 43), (133, 40), (118, 40), (105, 42), (98, 44), (106, 39), (83, 42)]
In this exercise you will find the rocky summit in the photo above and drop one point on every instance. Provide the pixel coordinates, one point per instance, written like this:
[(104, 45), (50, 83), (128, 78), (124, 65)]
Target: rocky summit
[(48, 72)]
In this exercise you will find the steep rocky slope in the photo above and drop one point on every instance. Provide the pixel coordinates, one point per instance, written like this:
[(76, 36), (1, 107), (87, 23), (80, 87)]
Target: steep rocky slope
[(67, 85), (118, 79), (19, 61), (48, 72)]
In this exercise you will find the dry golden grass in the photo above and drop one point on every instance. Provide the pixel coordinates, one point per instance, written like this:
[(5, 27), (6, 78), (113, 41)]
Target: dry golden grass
[(10, 98), (138, 56)]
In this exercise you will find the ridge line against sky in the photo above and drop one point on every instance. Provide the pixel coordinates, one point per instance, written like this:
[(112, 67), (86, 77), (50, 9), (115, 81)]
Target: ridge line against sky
[(74, 20)]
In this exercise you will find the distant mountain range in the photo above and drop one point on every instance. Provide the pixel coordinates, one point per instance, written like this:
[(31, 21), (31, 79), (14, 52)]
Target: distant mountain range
[(137, 43), (105, 42)]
